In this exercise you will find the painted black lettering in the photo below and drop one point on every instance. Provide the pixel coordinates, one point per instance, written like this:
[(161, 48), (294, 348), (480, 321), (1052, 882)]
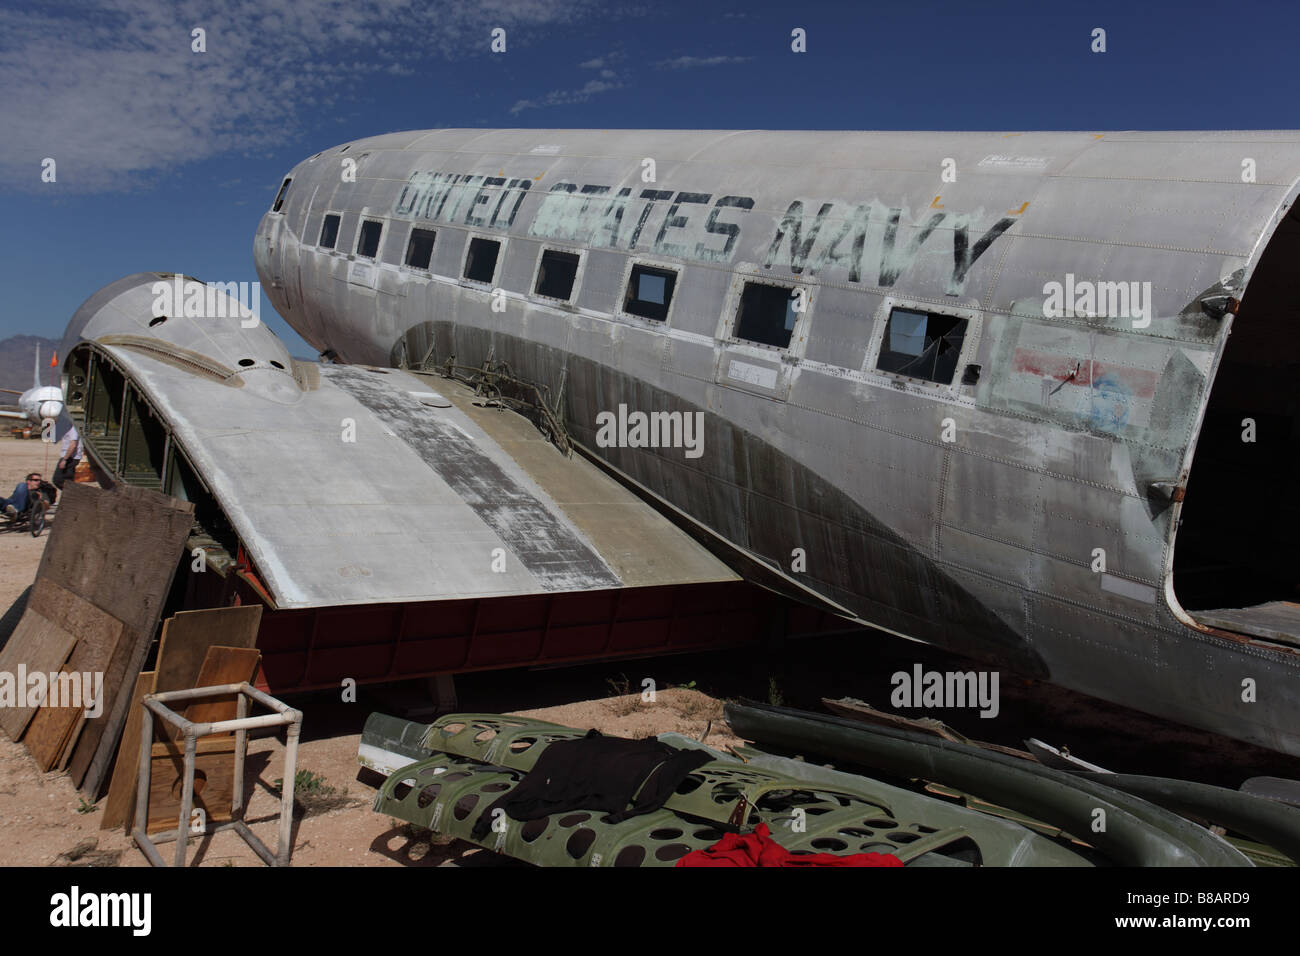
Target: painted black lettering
[(729, 229), (463, 194), (523, 185), (891, 262), (447, 186), (482, 196), (409, 197), (611, 219), (962, 259), (792, 225), (856, 223), (674, 221), (508, 185), (652, 195)]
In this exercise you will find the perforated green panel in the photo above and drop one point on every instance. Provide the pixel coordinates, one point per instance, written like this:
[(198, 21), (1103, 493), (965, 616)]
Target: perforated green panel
[(488, 754)]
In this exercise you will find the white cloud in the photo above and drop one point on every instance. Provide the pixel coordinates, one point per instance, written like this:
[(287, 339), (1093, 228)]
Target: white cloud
[(603, 63), (563, 97), (691, 62), (113, 92)]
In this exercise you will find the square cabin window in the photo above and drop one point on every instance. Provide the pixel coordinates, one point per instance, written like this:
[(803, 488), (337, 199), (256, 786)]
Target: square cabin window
[(368, 241), (329, 232), (419, 249), (556, 274), (766, 314), (922, 345), (481, 262), (650, 292)]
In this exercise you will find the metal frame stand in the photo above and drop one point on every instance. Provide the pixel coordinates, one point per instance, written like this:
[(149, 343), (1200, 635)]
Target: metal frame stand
[(283, 715)]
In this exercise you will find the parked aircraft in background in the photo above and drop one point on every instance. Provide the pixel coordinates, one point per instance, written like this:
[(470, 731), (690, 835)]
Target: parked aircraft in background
[(39, 403)]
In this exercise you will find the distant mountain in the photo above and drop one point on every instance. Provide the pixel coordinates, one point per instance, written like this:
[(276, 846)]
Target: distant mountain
[(16, 354)]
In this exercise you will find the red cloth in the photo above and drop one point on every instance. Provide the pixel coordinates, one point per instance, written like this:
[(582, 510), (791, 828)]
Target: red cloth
[(759, 849)]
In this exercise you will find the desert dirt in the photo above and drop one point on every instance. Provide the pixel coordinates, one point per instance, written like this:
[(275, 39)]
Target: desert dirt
[(19, 551)]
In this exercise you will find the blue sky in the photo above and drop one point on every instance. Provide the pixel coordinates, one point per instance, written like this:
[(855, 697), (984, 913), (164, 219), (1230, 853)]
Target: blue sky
[(167, 158)]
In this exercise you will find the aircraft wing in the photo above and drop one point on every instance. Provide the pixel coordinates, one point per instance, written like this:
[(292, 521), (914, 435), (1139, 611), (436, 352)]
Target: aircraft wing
[(5, 413), (352, 485)]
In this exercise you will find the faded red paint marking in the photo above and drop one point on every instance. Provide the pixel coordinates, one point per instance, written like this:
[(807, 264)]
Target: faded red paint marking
[(1140, 382)]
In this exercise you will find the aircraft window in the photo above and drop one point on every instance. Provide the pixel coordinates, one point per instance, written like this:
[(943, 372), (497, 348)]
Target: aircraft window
[(481, 263), (766, 314), (556, 274), (329, 232), (419, 248), (368, 241), (650, 292), (922, 345), (279, 199)]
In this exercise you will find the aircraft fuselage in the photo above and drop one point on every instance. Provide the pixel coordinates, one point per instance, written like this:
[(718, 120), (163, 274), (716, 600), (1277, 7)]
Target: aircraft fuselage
[(901, 413)]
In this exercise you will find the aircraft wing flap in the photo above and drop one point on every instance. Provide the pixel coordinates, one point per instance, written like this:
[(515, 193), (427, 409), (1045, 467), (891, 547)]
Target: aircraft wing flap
[(642, 547), (362, 490)]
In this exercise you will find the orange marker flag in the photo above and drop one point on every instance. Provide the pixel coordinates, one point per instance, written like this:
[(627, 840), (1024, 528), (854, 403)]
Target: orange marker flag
[(54, 360)]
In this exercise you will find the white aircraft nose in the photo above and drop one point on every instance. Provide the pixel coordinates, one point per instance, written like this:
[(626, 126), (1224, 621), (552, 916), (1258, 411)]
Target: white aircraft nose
[(50, 409)]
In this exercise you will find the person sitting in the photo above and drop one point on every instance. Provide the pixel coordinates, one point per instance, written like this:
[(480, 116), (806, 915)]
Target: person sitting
[(17, 502)]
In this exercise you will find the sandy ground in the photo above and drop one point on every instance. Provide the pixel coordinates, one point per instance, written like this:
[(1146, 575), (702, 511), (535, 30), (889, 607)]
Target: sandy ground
[(20, 553), (44, 822)]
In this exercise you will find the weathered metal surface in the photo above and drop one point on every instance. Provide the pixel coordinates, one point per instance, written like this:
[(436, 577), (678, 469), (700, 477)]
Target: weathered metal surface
[(351, 486), (477, 757), (1072, 429), (1002, 841), (1133, 832), (1276, 620), (1256, 817), (539, 536)]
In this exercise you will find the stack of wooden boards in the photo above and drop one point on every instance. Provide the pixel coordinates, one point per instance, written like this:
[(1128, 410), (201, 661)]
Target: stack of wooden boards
[(197, 649), (94, 609)]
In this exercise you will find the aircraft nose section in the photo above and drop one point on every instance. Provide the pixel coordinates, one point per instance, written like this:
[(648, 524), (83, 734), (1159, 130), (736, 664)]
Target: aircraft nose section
[(262, 251), (50, 409)]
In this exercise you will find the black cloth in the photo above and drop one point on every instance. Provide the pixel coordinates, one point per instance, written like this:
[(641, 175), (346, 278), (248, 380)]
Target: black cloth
[(624, 778)]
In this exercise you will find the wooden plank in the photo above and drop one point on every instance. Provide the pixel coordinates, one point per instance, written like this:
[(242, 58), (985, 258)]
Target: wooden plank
[(48, 734), (97, 637), (119, 550), (222, 665), (71, 743), (38, 645), (188, 634), (119, 808), (214, 781), (69, 610)]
